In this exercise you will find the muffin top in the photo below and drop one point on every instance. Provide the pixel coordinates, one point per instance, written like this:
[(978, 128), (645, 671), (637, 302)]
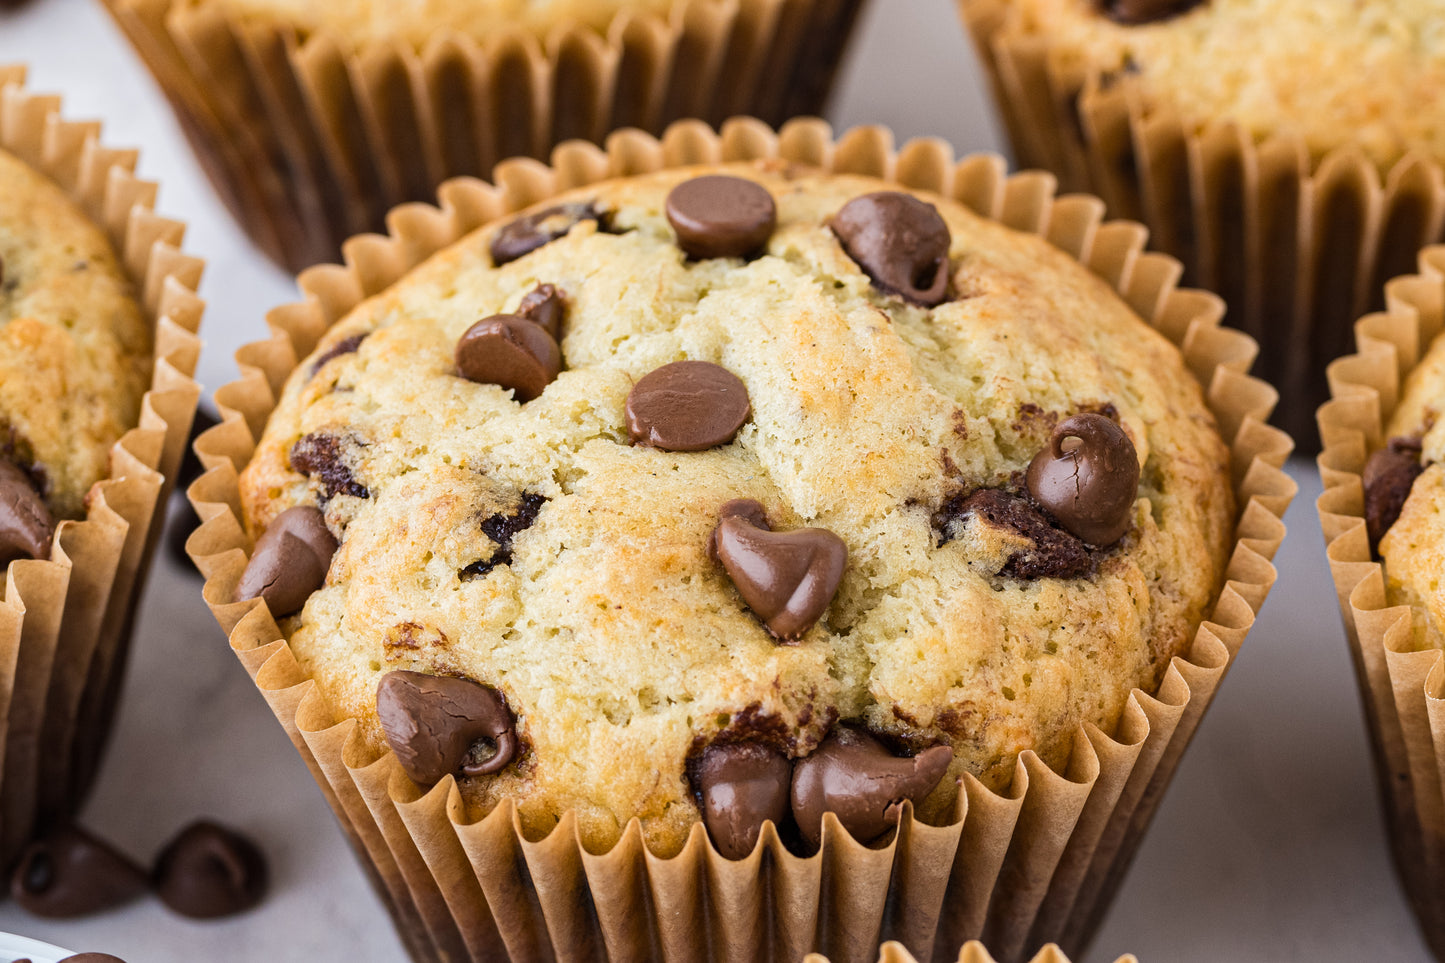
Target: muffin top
[(846, 526), (1332, 72), (75, 348), (414, 21)]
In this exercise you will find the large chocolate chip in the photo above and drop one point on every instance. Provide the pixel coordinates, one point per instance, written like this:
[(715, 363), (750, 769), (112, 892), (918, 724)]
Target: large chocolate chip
[(1088, 478), (432, 722), (290, 562), (1388, 477), (509, 351), (742, 785), (320, 457), (855, 777), (900, 242), (209, 871), (543, 305), (26, 527), (721, 216), (526, 234), (687, 406), (72, 873), (1135, 12), (787, 578)]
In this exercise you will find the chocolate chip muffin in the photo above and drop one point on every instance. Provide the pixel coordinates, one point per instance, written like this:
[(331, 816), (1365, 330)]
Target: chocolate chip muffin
[(75, 358), (736, 493)]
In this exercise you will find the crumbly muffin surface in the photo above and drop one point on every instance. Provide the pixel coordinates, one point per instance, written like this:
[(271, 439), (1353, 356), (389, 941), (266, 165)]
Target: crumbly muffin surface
[(1332, 71), (595, 607), (75, 348)]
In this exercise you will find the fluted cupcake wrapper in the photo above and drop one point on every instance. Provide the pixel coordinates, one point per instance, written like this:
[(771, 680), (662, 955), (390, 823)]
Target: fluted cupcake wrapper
[(1298, 247), (65, 623), (310, 142), (1035, 863), (1403, 690), (972, 952)]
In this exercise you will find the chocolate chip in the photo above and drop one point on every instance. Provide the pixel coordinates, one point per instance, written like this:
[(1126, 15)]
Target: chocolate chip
[(900, 242), (89, 958), (527, 233), (543, 305), (1388, 476), (72, 873), (320, 456), (742, 785), (209, 871), (1051, 552), (344, 346), (788, 579), (290, 561), (509, 351), (501, 529), (855, 777), (26, 527), (431, 723), (721, 216), (1088, 478), (687, 406), (1135, 12)]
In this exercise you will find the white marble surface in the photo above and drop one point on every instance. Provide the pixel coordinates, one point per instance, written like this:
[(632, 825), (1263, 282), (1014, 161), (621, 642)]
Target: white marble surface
[(1268, 845)]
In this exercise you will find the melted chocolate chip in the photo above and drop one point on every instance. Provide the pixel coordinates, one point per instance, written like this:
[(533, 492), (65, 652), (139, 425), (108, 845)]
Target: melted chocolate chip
[(900, 242), (1132, 13), (344, 346), (1052, 552), (788, 579), (717, 215), (502, 529), (1388, 477), (527, 233), (1088, 478), (320, 456), (742, 785), (431, 723), (544, 305), (853, 776), (26, 527), (72, 873), (209, 871), (687, 406), (290, 561), (509, 351)]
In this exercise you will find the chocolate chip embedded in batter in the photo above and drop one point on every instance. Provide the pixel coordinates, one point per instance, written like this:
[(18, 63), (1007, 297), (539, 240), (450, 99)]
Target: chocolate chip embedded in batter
[(527, 233), (1088, 478), (26, 527), (344, 346), (1388, 476), (290, 561), (788, 579), (1132, 13), (900, 242), (742, 785), (509, 351), (687, 406), (543, 305), (320, 457), (855, 777), (502, 529), (1051, 552), (209, 871), (72, 873), (431, 723), (718, 215)]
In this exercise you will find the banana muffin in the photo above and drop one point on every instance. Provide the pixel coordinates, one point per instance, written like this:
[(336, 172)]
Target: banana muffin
[(737, 493), (75, 358)]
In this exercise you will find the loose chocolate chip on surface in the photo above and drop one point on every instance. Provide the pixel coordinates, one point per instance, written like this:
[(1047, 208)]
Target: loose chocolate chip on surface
[(26, 527), (1088, 478), (1051, 553), (900, 242), (526, 234), (717, 215), (431, 723), (855, 777), (788, 579), (209, 871), (543, 305), (72, 873), (687, 406), (1135, 12), (742, 785), (1388, 476), (290, 561), (510, 351), (321, 457)]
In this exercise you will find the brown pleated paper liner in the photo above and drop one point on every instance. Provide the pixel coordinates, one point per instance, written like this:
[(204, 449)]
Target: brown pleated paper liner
[(1298, 247), (65, 623), (972, 952), (310, 142), (1035, 864), (1403, 690)]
